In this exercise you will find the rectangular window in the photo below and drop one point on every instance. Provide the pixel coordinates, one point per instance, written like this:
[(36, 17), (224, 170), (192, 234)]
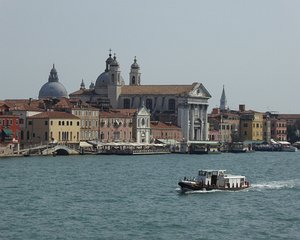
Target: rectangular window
[(46, 123), (51, 123), (30, 123)]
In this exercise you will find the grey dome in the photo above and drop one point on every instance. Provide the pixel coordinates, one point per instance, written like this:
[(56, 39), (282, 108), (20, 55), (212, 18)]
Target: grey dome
[(135, 64), (53, 88), (103, 80)]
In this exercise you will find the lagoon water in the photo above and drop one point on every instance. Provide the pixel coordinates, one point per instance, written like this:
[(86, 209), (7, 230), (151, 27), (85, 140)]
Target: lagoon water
[(136, 197)]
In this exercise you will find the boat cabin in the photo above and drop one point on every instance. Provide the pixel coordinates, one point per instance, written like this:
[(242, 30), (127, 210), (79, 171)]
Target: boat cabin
[(220, 179)]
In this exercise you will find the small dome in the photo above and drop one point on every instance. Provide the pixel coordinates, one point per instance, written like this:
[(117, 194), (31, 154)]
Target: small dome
[(114, 63), (92, 85), (53, 90), (108, 61), (135, 65)]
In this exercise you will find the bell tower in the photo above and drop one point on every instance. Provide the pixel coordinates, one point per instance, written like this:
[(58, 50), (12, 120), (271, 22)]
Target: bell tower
[(223, 101), (135, 75), (115, 73)]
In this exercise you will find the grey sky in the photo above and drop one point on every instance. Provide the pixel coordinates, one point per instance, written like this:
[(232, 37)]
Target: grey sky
[(252, 47)]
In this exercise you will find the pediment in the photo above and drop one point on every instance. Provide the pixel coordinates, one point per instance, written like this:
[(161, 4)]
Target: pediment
[(199, 91), (143, 111)]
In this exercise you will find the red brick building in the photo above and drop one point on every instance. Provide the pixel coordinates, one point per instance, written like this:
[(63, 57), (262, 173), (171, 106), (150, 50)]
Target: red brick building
[(9, 129)]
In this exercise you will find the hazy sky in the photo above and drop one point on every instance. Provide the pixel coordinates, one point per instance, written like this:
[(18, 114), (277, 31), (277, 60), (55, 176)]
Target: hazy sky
[(252, 47)]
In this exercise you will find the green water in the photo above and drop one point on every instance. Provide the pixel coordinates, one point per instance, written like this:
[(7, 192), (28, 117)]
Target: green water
[(136, 197)]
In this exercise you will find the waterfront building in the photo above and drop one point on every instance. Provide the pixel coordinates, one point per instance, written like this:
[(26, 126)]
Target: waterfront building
[(183, 105), (274, 127), (278, 129), (251, 125), (89, 122), (291, 119), (165, 131), (4, 108), (53, 126), (224, 125), (53, 88), (116, 125), (223, 122), (89, 116), (293, 126), (24, 111), (9, 129)]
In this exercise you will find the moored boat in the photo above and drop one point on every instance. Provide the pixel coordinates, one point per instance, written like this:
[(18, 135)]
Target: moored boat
[(214, 180)]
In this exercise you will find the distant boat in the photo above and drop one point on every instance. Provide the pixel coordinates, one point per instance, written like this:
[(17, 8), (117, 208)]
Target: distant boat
[(280, 146), (287, 147), (214, 180), (238, 147), (204, 147), (297, 145)]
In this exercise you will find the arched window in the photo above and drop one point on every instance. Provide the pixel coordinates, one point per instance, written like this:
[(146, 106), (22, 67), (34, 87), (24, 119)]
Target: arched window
[(133, 80), (171, 105)]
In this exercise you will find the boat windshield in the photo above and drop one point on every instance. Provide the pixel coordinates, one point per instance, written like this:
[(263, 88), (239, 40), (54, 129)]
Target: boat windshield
[(202, 173)]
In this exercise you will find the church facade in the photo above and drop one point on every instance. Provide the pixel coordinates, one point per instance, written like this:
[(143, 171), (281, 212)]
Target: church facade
[(183, 105)]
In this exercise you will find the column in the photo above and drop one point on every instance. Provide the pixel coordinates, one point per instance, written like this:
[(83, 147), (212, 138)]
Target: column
[(192, 120)]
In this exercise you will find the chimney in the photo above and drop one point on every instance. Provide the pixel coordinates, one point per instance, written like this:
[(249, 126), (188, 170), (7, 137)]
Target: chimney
[(242, 107)]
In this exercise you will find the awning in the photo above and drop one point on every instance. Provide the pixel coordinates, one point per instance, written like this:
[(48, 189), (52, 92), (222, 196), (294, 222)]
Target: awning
[(7, 132), (85, 144)]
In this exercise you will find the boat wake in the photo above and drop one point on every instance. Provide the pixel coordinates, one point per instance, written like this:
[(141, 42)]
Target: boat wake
[(276, 185), (197, 191)]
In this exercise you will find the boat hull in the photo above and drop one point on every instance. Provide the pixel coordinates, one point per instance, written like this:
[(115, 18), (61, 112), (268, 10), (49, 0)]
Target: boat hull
[(198, 186)]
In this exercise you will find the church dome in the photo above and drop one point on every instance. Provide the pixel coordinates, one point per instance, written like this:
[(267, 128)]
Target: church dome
[(103, 80), (53, 88)]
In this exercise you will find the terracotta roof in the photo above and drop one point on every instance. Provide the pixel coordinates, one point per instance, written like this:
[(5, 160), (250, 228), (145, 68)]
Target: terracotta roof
[(250, 112), (161, 125), (157, 89), (127, 111), (33, 103), (82, 92), (9, 116), (25, 107), (115, 114), (289, 116), (63, 103), (54, 115)]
